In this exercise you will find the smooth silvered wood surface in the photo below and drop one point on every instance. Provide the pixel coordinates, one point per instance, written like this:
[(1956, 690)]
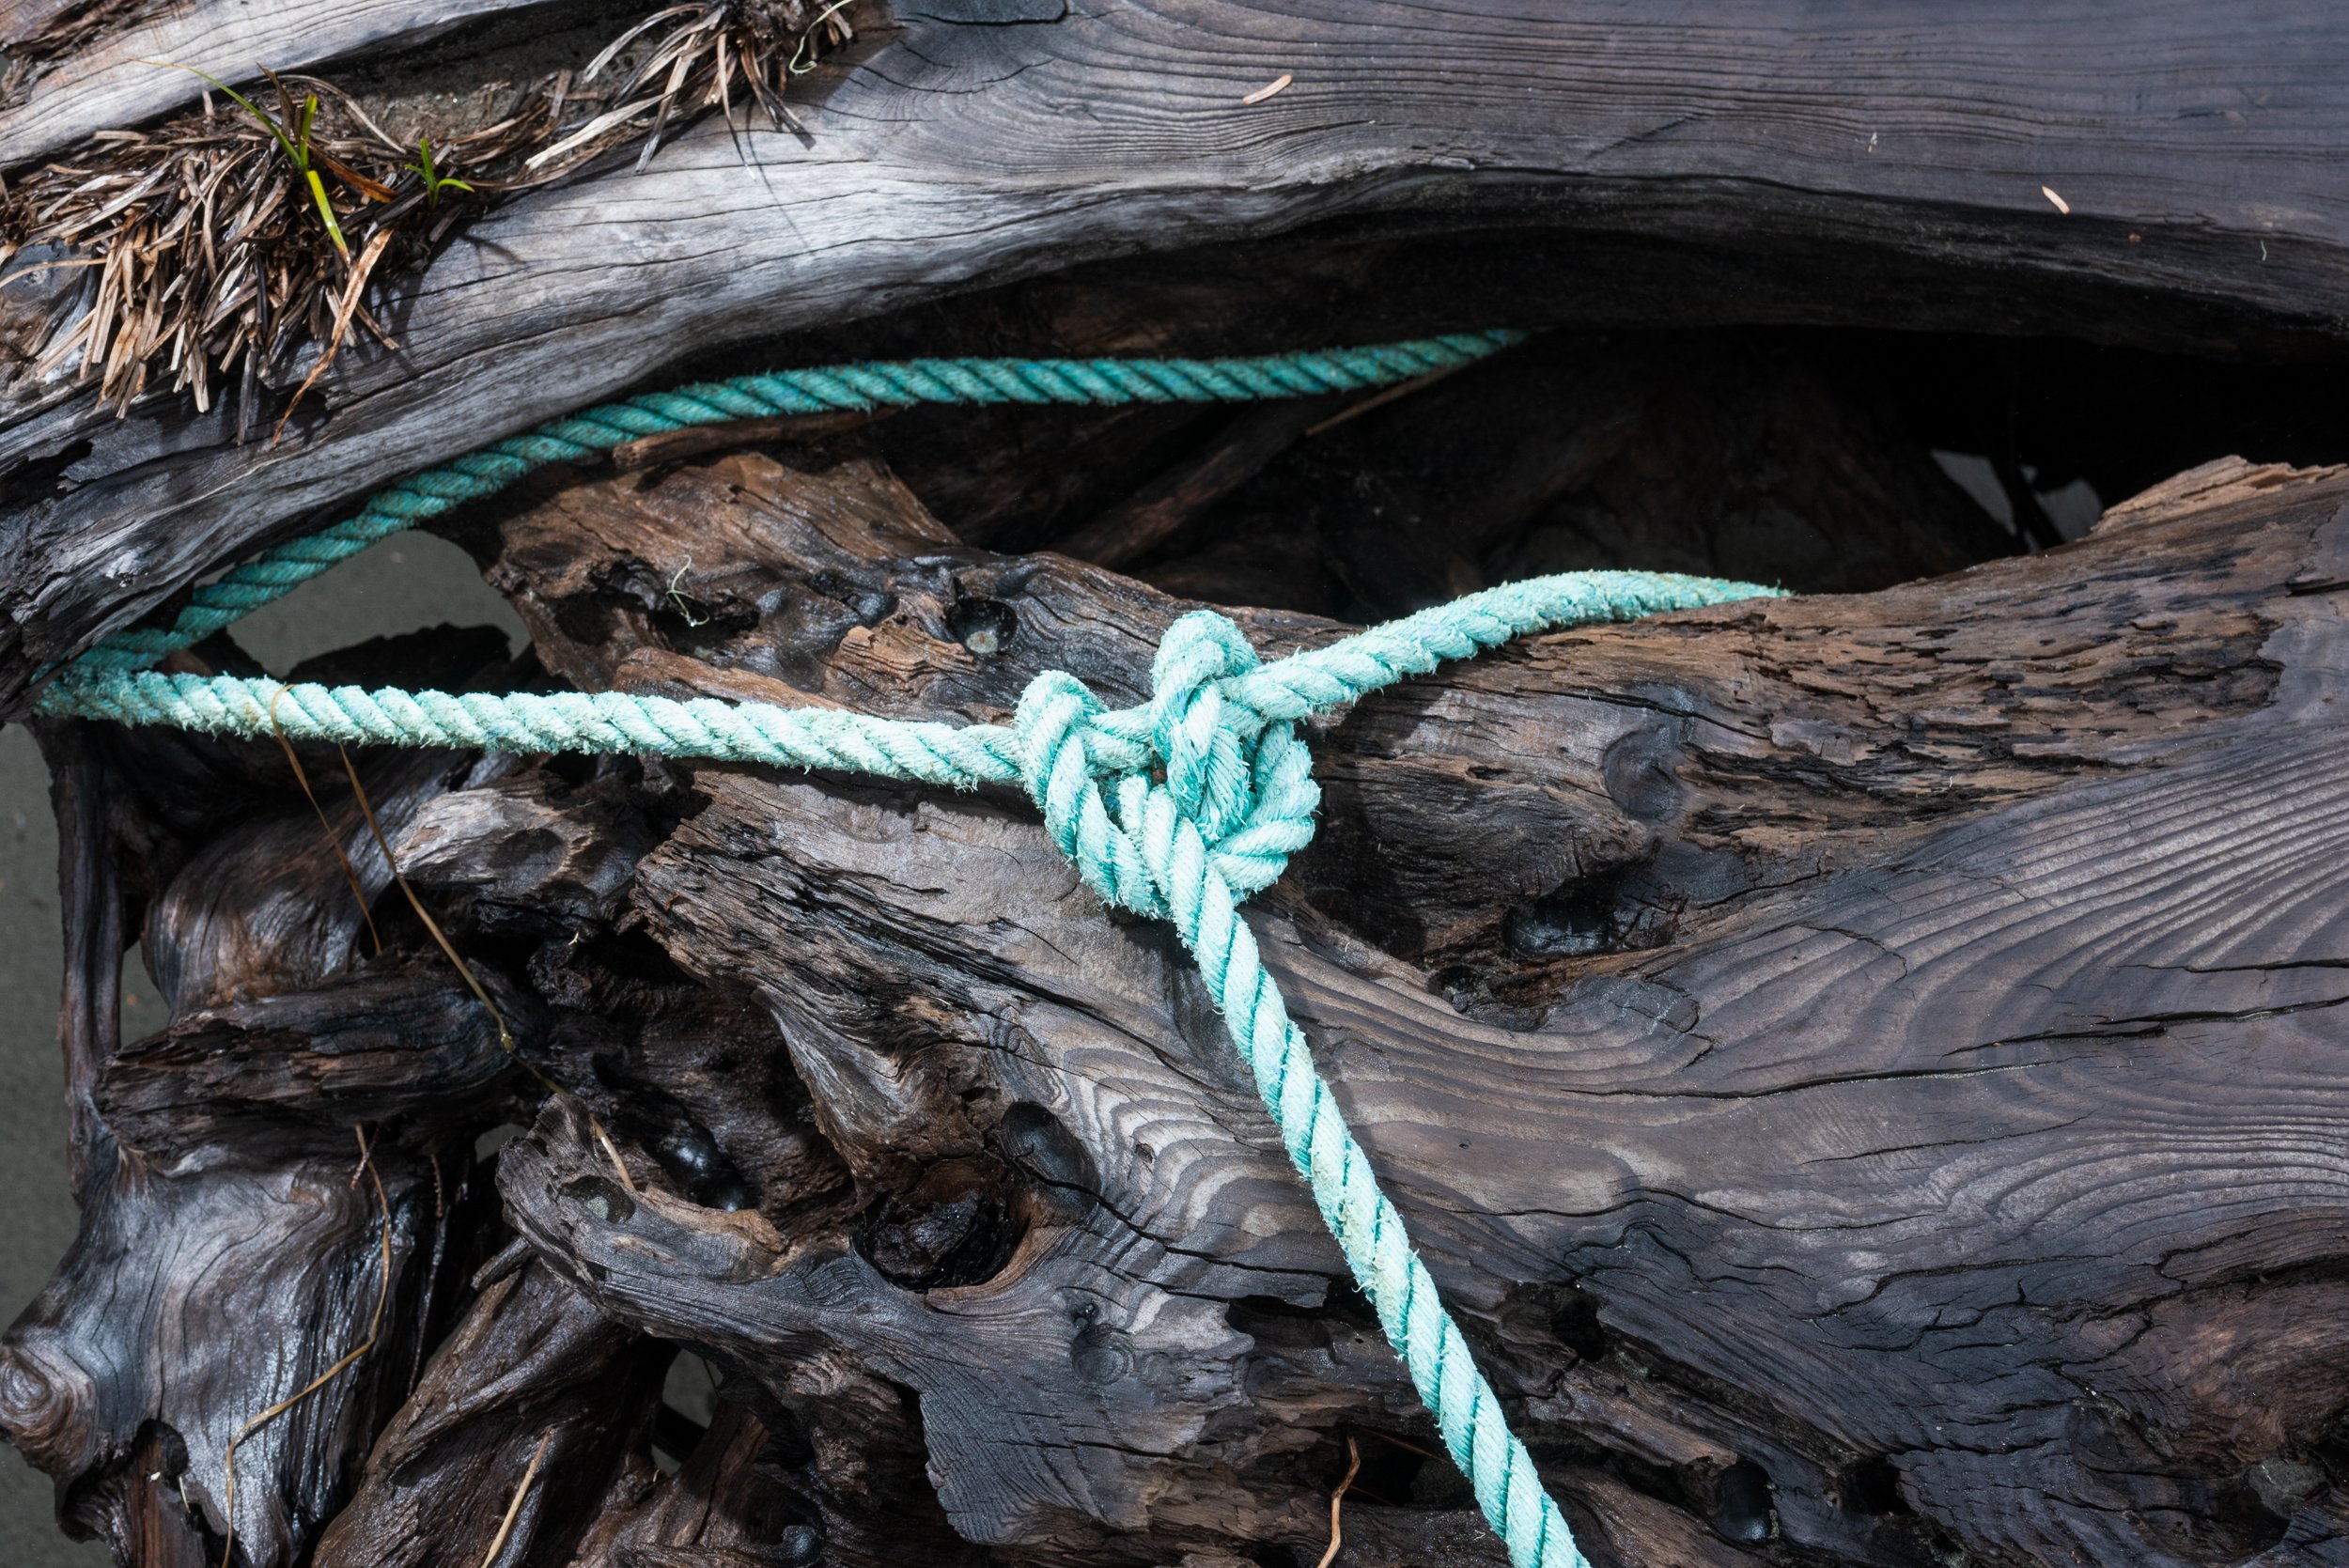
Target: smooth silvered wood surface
[(1883, 164)]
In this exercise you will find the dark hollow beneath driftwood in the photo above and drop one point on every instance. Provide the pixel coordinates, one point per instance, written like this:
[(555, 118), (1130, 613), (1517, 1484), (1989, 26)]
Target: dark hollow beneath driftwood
[(1867, 1069), (1884, 168)]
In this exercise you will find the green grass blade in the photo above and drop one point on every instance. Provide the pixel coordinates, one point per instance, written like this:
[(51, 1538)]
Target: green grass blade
[(247, 106), (326, 210)]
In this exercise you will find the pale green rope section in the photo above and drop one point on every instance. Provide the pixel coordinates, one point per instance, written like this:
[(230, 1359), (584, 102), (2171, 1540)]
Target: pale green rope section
[(218, 604), (1176, 809)]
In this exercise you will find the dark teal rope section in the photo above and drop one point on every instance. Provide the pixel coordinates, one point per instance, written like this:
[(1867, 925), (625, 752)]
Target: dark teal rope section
[(216, 606)]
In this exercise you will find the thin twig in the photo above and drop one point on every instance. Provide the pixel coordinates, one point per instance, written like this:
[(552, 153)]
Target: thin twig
[(611, 1151), (1337, 1503), (1377, 401), (464, 970), (505, 1037), (1406, 1444), (375, 1328), (334, 839), (514, 1508), (1249, 444)]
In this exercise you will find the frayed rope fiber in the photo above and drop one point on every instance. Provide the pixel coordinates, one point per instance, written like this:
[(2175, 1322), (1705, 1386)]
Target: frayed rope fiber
[(1176, 809)]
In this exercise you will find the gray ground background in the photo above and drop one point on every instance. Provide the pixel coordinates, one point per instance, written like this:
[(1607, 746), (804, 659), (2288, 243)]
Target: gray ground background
[(405, 583)]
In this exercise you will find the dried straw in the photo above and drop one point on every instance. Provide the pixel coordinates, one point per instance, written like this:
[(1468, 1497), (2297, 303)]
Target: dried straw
[(211, 268)]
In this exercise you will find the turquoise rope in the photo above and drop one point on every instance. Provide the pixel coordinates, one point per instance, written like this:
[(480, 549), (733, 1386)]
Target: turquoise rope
[(1176, 809), (577, 438)]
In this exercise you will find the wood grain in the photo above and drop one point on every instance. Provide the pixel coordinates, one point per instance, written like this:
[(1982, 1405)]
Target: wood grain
[(117, 84), (1787, 165), (1910, 1140), (1863, 1066)]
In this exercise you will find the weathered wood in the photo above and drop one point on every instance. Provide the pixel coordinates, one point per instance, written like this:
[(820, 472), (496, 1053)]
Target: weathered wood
[(1645, 167), (1860, 1065), (228, 1234), (1753, 1161), (114, 80), (531, 1371)]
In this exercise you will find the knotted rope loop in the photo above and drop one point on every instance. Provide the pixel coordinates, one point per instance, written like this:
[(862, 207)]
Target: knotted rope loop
[(1110, 784), (1176, 809)]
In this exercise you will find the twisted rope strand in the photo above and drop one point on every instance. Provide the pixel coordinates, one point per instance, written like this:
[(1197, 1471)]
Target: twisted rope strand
[(1176, 809), (1368, 1228), (957, 756), (576, 437)]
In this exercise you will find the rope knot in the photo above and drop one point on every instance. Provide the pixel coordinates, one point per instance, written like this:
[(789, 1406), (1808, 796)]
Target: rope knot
[(1145, 800)]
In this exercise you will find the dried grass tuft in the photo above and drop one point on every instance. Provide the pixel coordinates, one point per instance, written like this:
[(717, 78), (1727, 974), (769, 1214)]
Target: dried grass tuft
[(211, 264), (221, 244), (693, 67)]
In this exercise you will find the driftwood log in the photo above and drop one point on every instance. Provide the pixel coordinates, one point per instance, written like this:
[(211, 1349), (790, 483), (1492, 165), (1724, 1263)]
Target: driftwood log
[(1867, 1069), (1880, 167), (1865, 1066)]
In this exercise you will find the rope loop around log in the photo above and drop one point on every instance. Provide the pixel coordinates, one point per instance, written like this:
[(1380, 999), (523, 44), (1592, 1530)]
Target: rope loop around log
[(1177, 809)]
